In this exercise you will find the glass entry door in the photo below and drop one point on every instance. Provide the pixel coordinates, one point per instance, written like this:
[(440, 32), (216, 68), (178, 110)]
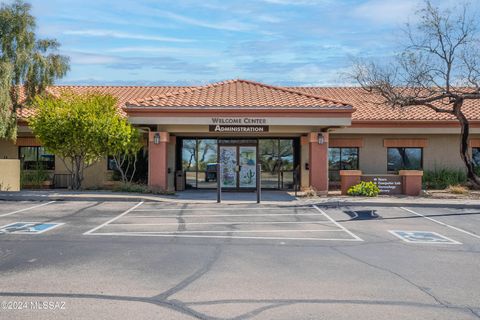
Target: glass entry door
[(228, 166), (238, 166), (248, 166)]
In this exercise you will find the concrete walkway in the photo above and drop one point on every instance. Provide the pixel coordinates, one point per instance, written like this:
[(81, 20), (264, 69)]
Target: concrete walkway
[(210, 196)]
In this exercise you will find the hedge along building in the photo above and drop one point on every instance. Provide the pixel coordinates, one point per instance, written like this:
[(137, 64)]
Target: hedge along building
[(315, 131)]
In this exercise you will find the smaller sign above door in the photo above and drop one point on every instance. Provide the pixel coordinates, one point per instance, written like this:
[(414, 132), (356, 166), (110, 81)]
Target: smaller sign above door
[(237, 129)]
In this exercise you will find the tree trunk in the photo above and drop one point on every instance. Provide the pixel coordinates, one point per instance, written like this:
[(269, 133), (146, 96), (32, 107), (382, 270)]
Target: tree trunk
[(135, 158), (465, 133), (77, 173)]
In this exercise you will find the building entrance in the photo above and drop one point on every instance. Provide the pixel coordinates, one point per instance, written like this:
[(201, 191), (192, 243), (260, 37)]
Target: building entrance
[(238, 166), (198, 159)]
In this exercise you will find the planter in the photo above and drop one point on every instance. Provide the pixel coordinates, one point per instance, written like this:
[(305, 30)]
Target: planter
[(47, 184)]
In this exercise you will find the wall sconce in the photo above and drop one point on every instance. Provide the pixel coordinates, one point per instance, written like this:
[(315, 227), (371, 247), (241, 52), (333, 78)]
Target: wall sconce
[(321, 138), (156, 138)]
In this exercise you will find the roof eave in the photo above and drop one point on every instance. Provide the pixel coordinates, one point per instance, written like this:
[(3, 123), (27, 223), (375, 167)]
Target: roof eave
[(209, 109)]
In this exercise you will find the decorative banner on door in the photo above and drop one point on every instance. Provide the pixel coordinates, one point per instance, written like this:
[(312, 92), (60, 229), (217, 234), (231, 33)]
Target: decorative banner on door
[(240, 129)]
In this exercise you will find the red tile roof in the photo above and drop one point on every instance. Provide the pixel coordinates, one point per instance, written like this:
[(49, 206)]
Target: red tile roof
[(238, 94), (248, 94), (123, 94), (369, 107)]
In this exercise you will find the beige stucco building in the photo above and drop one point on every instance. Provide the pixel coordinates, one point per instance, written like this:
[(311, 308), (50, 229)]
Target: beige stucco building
[(297, 137)]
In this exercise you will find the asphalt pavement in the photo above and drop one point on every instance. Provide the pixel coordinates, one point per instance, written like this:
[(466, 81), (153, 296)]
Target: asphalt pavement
[(144, 260)]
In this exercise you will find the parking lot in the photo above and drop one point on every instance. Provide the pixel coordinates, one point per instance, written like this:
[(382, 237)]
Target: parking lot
[(183, 261)]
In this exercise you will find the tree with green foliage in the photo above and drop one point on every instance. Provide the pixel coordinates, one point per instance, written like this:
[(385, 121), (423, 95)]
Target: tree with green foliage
[(81, 129), (25, 61), (124, 150)]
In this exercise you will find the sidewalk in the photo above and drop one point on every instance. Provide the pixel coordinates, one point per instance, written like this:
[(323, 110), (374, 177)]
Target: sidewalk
[(210, 197)]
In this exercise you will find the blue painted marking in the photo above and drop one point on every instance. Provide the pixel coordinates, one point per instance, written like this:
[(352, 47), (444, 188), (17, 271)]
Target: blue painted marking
[(422, 237), (28, 227)]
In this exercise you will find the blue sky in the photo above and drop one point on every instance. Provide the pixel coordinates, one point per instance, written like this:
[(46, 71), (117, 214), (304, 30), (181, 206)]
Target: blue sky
[(281, 42)]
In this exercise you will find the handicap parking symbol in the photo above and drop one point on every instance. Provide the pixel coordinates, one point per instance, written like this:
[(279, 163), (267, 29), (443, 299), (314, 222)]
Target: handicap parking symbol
[(422, 237), (28, 227)]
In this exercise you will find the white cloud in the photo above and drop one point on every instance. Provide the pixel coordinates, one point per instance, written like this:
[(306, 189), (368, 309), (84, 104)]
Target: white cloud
[(298, 2), (167, 50), (386, 11), (268, 18), (230, 25), (122, 35), (82, 58)]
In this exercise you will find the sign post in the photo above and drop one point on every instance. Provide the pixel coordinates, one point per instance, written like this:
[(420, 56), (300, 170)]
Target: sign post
[(219, 184), (259, 182)]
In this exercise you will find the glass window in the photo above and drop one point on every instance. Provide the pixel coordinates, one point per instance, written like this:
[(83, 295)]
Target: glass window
[(341, 159), (286, 154), (36, 157), (189, 162), (476, 156), (268, 154), (404, 159), (349, 159), (111, 164), (207, 163), (189, 155)]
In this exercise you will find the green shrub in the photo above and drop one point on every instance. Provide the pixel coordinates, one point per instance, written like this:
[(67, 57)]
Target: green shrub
[(442, 178), (132, 187), (140, 188), (34, 178), (366, 189)]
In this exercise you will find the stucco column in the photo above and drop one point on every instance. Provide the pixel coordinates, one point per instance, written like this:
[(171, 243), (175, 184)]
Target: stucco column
[(349, 178), (412, 182), (318, 162), (158, 160)]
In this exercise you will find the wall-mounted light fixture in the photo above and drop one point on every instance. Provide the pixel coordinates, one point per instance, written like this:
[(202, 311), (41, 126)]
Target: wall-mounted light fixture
[(321, 138), (156, 138)]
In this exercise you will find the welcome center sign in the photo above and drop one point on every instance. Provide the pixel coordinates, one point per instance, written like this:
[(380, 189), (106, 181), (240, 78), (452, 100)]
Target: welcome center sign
[(238, 125)]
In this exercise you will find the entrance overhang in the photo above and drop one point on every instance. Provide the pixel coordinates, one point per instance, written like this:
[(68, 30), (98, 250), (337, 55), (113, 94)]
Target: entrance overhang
[(273, 117)]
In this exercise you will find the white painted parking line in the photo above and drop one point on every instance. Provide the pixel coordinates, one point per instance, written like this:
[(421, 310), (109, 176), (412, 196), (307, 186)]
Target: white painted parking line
[(229, 231), (338, 224), (113, 219), (219, 237), (225, 215), (29, 208), (442, 223), (220, 209), (220, 223), (322, 218)]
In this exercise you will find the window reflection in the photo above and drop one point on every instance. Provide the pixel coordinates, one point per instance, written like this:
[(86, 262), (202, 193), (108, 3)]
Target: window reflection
[(277, 160), (476, 156), (341, 159), (207, 163), (36, 158), (268, 154), (404, 159), (189, 162)]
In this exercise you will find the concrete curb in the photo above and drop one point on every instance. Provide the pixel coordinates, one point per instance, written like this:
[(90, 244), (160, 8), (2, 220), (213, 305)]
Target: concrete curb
[(82, 198), (397, 204), (326, 203)]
